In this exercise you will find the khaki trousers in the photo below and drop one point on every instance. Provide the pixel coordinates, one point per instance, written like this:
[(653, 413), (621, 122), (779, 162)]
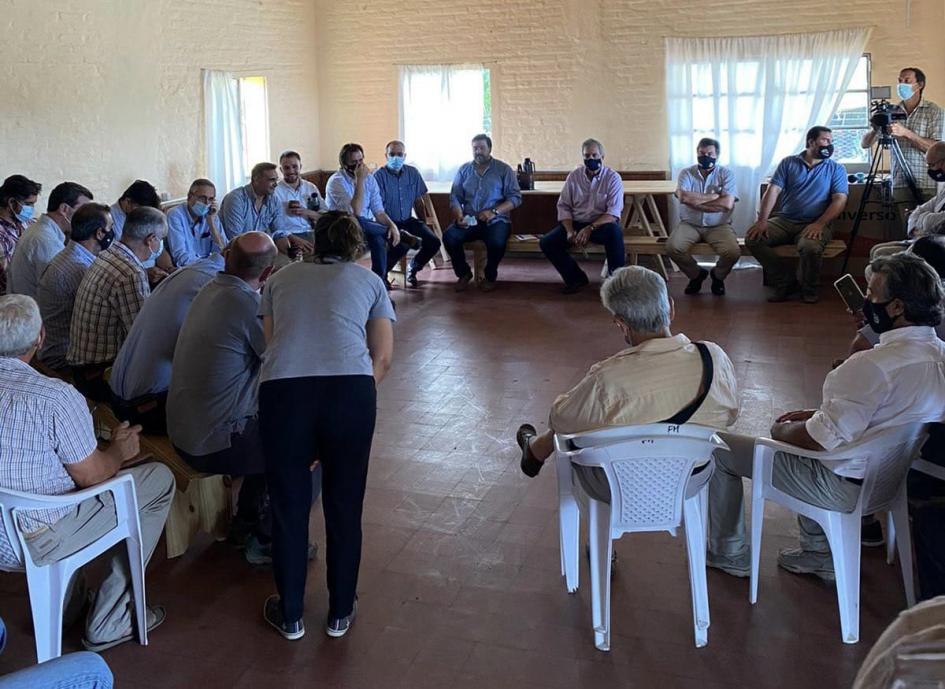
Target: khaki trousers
[(720, 237)]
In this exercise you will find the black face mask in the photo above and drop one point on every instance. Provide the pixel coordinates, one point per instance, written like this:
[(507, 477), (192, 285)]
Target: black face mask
[(351, 169), (877, 317), (824, 152), (937, 175), (706, 162), (107, 240)]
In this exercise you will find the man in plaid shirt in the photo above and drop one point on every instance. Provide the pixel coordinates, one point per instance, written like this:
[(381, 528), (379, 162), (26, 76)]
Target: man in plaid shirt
[(110, 296), (923, 126), (48, 447), (17, 200)]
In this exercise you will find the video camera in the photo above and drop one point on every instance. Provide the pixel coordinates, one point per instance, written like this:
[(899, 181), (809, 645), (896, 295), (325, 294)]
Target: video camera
[(882, 112)]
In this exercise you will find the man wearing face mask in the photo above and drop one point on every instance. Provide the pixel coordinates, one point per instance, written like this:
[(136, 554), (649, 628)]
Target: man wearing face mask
[(192, 232), (924, 125), (484, 192), (899, 381), (660, 377), (354, 190), (300, 202), (90, 233), (706, 194), (44, 238), (589, 210), (109, 298), (813, 191), (401, 186), (17, 200)]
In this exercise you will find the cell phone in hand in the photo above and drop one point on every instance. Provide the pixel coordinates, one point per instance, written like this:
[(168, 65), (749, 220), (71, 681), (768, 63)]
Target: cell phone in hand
[(850, 293)]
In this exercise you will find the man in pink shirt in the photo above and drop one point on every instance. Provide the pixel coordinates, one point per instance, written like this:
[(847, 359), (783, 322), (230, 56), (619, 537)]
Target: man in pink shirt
[(589, 210)]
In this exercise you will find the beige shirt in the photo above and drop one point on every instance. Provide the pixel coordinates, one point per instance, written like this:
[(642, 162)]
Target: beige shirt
[(648, 383)]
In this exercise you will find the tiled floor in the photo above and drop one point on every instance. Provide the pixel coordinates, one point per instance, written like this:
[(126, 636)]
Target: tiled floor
[(460, 582)]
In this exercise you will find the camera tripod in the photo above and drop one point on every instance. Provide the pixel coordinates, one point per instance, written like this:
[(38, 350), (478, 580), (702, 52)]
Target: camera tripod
[(888, 144)]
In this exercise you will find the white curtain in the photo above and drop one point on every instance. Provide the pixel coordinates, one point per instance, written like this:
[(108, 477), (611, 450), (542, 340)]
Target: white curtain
[(223, 131), (757, 96), (441, 108)]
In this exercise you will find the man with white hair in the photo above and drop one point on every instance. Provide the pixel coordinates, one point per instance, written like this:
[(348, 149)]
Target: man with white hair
[(899, 381), (660, 377), (49, 447), (109, 298)]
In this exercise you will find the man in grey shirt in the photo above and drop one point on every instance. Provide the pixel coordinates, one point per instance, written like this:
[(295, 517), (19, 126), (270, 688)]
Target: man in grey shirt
[(141, 373), (212, 400), (44, 239)]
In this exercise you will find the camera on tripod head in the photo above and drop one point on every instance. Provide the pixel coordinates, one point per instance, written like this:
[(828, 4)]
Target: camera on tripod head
[(882, 112)]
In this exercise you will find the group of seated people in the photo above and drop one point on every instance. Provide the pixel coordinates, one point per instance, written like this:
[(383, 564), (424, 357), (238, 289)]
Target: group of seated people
[(187, 324)]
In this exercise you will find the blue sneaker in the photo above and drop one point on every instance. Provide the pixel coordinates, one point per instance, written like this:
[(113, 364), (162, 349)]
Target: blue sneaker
[(272, 613), (338, 626)]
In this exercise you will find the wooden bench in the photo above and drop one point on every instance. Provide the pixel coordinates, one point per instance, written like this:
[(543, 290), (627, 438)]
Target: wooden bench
[(635, 247), (201, 501)]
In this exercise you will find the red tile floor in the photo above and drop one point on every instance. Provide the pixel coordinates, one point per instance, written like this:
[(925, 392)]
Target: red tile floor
[(460, 584)]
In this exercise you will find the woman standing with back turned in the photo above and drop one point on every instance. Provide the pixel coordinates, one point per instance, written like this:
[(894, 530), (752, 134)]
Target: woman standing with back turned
[(330, 338)]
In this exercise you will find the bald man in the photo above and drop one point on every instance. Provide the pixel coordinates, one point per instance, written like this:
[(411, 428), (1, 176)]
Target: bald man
[(929, 218), (211, 403)]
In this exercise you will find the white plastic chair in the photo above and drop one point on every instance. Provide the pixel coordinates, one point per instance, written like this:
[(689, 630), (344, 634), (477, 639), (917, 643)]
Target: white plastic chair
[(886, 455), (653, 488), (49, 583)]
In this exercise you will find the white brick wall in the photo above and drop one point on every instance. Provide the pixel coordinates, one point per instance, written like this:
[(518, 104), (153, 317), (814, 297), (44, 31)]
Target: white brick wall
[(104, 91), (568, 69)]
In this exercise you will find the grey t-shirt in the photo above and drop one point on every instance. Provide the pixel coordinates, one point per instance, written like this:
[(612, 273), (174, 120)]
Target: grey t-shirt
[(320, 313), (143, 364), (214, 377)]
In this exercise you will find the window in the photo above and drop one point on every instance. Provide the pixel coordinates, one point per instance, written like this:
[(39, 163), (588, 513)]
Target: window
[(441, 108), (851, 119), (236, 127), (254, 121)]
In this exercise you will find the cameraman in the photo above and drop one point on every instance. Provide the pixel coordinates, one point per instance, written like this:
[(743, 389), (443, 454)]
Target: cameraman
[(922, 128)]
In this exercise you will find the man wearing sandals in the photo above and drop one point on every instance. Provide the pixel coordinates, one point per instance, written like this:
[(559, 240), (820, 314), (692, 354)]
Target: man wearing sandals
[(660, 377), (49, 448)]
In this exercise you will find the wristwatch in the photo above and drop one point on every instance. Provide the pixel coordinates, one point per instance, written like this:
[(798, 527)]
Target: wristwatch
[(495, 212)]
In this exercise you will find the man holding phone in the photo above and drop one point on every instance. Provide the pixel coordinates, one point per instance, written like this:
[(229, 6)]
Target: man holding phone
[(192, 231)]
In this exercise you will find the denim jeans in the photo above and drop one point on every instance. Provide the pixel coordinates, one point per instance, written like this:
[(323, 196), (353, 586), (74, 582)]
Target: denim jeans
[(429, 242), (382, 256), (495, 235), (555, 246), (83, 670)]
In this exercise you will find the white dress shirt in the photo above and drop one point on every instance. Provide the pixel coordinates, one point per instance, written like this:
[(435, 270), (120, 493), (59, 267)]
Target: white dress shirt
[(901, 380), (929, 218)]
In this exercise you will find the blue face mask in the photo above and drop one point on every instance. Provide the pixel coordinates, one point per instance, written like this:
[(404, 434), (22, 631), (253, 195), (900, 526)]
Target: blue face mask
[(593, 164), (905, 91), (156, 254), (25, 214), (395, 163), (200, 209)]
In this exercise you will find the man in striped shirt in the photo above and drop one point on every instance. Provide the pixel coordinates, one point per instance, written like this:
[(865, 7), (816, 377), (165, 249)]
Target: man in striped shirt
[(109, 298), (91, 233)]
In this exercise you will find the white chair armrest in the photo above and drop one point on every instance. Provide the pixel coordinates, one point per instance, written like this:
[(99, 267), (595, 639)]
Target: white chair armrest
[(116, 483), (768, 447)]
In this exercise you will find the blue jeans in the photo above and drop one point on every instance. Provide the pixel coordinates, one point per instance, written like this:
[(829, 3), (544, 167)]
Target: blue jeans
[(82, 670), (429, 242), (382, 257), (495, 235), (555, 246)]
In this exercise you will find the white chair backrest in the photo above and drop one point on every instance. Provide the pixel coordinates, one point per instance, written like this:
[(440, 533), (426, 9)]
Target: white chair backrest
[(647, 468), (14, 501), (889, 454)]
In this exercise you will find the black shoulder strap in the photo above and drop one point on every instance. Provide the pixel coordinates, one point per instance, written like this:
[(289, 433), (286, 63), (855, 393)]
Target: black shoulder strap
[(708, 372)]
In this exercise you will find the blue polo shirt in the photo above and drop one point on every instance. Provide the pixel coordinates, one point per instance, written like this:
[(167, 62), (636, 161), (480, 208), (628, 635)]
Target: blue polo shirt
[(399, 190), (806, 192)]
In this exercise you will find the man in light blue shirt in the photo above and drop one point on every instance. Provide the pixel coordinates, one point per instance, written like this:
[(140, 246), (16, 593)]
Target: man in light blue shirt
[(300, 203), (400, 187), (141, 194), (254, 208), (192, 232), (484, 193), (44, 239), (354, 190), (813, 192), (706, 194), (141, 373)]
